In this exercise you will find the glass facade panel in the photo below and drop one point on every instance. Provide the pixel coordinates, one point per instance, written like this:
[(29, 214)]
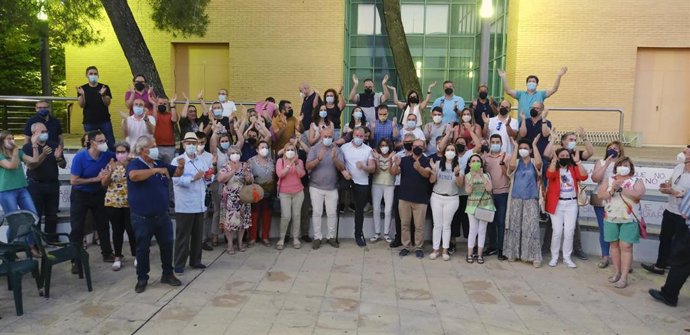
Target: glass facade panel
[(412, 18), (436, 19)]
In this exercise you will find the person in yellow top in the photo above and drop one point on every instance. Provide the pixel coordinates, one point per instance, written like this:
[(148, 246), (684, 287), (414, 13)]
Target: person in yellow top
[(116, 203)]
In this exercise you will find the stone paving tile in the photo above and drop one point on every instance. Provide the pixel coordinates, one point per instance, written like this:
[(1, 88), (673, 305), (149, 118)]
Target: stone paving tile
[(349, 290)]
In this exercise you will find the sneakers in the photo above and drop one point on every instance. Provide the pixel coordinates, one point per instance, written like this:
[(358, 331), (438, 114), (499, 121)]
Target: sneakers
[(280, 245), (445, 257), (333, 243), (170, 280), (296, 244), (387, 238), (403, 253), (394, 244), (374, 238), (368, 209), (141, 286), (553, 262), (580, 254), (451, 249), (433, 255), (419, 254), (117, 265), (316, 244), (569, 263), (360, 241)]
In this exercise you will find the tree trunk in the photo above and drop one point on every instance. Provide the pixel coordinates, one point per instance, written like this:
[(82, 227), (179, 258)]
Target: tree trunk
[(399, 48), (132, 43)]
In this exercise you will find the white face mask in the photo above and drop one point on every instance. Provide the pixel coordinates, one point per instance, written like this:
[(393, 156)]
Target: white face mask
[(330, 99), (437, 118), (523, 153), (384, 150), (450, 155), (290, 154), (411, 124), (189, 149), (623, 171), (200, 148), (681, 157), (235, 157), (263, 152), (222, 97), (102, 147), (466, 118)]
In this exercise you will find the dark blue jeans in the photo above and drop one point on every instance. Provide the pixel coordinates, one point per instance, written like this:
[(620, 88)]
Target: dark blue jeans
[(496, 229), (46, 197), (106, 128), (146, 227)]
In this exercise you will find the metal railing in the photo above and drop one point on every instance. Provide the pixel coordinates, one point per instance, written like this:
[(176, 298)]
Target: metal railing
[(16, 110)]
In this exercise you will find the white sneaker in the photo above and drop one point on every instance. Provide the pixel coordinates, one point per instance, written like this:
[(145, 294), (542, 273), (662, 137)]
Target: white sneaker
[(445, 257), (433, 255), (387, 238), (117, 265), (569, 263), (553, 262), (375, 238)]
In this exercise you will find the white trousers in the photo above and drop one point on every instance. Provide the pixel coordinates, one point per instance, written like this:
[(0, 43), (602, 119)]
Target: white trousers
[(319, 198), (563, 225), (477, 232), (384, 192), (442, 210)]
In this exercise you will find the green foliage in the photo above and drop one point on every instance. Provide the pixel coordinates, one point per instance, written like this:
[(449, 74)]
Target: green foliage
[(186, 17)]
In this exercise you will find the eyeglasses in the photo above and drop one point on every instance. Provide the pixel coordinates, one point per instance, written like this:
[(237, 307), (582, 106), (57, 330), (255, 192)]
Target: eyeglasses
[(120, 152)]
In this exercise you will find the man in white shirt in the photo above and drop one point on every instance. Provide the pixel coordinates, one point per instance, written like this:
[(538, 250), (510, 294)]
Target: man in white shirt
[(359, 163), (229, 107), (190, 193), (410, 127), (503, 125), (138, 124)]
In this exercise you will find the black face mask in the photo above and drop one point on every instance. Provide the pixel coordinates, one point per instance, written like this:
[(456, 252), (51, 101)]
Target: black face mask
[(251, 141), (139, 86), (485, 148), (533, 112), (162, 108), (448, 91), (289, 113), (368, 91), (417, 151), (564, 161), (407, 146), (504, 111), (460, 147), (483, 95), (413, 100)]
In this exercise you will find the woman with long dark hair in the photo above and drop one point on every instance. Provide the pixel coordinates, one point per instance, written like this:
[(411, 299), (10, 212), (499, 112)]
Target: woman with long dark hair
[(478, 187), (383, 187), (447, 180)]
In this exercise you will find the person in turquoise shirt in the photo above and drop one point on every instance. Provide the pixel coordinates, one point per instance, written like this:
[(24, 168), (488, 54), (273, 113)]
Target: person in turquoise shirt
[(449, 102), (531, 95), (14, 194)]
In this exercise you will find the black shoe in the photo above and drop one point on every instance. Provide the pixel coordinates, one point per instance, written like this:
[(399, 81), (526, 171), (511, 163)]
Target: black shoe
[(490, 252), (501, 257), (141, 286), (207, 246), (198, 266), (580, 254), (419, 254), (653, 269), (333, 243), (316, 244), (360, 241), (109, 258), (451, 249), (395, 244), (306, 239), (403, 253), (75, 269), (656, 294), (170, 280)]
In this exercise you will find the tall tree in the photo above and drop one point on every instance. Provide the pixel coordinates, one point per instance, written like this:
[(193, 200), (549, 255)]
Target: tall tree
[(398, 44)]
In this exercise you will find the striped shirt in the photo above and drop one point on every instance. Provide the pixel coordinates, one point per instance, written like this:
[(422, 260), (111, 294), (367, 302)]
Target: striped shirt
[(685, 207)]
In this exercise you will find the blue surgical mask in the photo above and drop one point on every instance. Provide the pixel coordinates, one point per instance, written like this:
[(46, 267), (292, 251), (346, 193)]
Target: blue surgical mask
[(495, 147), (43, 112), (138, 110), (217, 112), (93, 78), (357, 115), (190, 149), (357, 141), (224, 145), (531, 86), (411, 124), (323, 114), (153, 153), (43, 137), (327, 141), (571, 145)]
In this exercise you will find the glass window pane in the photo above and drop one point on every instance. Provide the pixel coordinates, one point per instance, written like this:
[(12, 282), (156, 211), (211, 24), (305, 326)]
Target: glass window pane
[(368, 20), (437, 19), (413, 18)]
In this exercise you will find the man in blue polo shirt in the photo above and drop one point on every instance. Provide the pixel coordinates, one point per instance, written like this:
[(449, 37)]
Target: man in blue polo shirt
[(147, 185), (52, 124), (527, 98), (449, 102), (88, 169)]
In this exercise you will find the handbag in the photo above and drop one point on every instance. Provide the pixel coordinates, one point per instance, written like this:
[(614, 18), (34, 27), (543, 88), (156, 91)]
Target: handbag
[(484, 214), (251, 193), (595, 201), (582, 196), (642, 224)]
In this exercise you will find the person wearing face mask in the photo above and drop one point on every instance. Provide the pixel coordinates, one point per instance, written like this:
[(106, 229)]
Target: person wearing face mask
[(407, 141), (308, 96), (229, 108), (496, 165), (263, 170), (536, 125), (148, 198), (622, 193), (460, 225), (324, 162), (413, 105), (360, 163), (415, 171), (235, 216), (484, 105), (434, 129), (531, 95), (138, 124), (43, 182), (52, 124), (672, 222), (357, 120), (385, 128), (478, 187), (266, 108), (448, 102), (382, 188), (219, 146), (190, 121), (563, 176), (166, 117), (116, 205), (214, 121), (467, 126), (503, 125), (86, 175), (321, 121), (140, 91), (522, 233), (285, 125), (334, 105), (369, 100), (411, 127), (94, 98), (447, 180), (190, 194), (290, 170)]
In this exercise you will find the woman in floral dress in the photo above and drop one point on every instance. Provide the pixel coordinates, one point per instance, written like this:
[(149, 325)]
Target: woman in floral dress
[(235, 216)]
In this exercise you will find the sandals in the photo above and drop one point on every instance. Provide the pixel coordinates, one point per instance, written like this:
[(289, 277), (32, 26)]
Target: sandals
[(243, 248), (622, 283), (469, 259), (603, 263), (230, 251), (615, 278), (480, 260), (266, 243)]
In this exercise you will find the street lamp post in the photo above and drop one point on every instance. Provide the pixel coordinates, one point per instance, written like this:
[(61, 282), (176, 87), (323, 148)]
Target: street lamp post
[(45, 53), (486, 11)]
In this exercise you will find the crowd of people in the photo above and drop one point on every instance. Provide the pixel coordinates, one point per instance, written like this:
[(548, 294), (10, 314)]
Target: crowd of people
[(481, 172)]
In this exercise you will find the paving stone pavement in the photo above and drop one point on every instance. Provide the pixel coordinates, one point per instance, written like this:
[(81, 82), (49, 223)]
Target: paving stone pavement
[(347, 291)]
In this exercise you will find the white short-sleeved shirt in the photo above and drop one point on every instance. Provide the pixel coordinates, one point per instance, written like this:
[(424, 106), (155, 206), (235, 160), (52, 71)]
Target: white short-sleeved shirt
[(229, 108), (352, 156), (137, 128), (418, 133), (498, 127)]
